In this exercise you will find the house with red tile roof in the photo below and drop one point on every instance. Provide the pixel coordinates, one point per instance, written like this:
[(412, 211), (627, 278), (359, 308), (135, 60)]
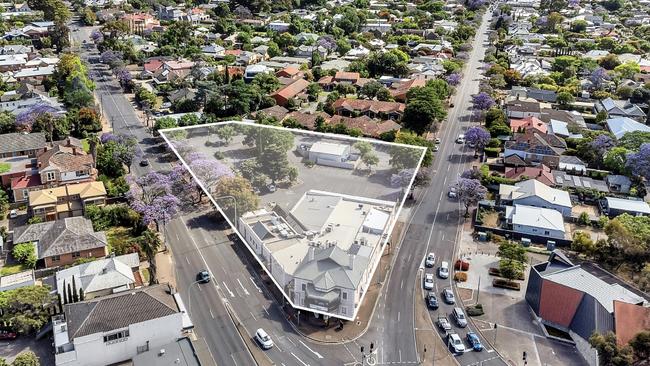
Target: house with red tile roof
[(541, 173), (291, 91), (398, 90), (370, 108), (140, 23), (369, 127), (523, 125)]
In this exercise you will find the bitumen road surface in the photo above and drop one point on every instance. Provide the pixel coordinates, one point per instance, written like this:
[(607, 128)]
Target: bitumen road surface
[(198, 242)]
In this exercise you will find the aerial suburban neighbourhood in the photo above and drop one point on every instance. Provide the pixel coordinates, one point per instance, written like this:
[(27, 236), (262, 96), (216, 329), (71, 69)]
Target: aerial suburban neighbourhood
[(325, 182)]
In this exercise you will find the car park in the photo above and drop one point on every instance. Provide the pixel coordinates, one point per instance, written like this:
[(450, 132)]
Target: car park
[(432, 300), (263, 339), (428, 281), (430, 261), (459, 316), (455, 343), (443, 323), (203, 277), (448, 295), (474, 341), (443, 270)]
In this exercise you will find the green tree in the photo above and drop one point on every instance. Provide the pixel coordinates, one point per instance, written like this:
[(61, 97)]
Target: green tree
[(164, 123), (582, 243), (268, 83), (241, 190), (26, 308), (565, 98), (633, 140), (26, 358), (609, 353), (641, 345), (513, 257), (4, 202), (406, 158), (615, 159), (420, 114), (628, 69), (25, 253), (225, 133)]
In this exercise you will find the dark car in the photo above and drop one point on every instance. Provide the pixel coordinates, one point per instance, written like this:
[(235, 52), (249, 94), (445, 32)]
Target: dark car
[(203, 276), (7, 335), (474, 341), (448, 296), (432, 300), (144, 162)]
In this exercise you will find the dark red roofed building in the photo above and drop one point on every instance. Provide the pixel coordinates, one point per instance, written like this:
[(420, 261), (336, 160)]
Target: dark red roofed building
[(291, 91), (370, 108)]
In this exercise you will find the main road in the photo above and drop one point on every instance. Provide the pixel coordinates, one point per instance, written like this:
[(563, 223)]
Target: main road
[(237, 297)]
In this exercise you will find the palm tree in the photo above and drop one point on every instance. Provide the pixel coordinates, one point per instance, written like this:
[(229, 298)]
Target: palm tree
[(93, 142), (150, 243)]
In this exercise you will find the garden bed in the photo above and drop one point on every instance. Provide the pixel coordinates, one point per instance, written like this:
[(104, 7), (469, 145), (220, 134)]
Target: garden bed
[(501, 283), (495, 272)]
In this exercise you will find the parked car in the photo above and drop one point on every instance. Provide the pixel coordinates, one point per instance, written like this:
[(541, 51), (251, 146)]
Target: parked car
[(437, 140), (144, 162), (449, 297), (455, 343), (460, 139), (203, 276), (13, 214), (474, 341), (443, 270), (443, 323), (460, 318), (271, 187), (428, 281), (263, 339), (452, 193), (7, 335), (432, 300), (436, 148), (431, 259)]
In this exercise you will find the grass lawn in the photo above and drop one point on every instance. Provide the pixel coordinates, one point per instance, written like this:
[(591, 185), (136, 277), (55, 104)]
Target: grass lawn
[(4, 167), (145, 275), (119, 239), (85, 145), (12, 269)]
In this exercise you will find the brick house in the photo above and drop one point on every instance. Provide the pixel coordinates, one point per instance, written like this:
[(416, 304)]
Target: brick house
[(18, 144), (291, 91), (370, 108), (62, 242)]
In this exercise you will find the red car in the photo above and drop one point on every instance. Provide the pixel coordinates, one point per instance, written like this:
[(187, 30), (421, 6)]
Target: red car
[(7, 335)]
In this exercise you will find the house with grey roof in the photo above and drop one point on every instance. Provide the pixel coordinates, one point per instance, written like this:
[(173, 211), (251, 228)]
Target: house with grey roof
[(18, 144), (618, 183), (116, 328), (612, 207), (178, 353), (621, 108), (62, 242), (619, 126), (100, 277), (536, 221), (322, 253), (532, 192)]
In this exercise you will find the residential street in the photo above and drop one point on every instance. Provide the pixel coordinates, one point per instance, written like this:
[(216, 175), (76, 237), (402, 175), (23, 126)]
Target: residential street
[(198, 242)]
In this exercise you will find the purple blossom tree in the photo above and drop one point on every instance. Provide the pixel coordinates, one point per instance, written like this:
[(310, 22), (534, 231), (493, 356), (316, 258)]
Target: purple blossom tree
[(125, 78), (469, 192), (598, 77), (112, 58), (477, 136), (151, 196), (208, 170), (25, 120), (482, 101), (471, 174), (97, 36), (639, 162), (327, 41), (453, 79), (602, 144), (108, 136)]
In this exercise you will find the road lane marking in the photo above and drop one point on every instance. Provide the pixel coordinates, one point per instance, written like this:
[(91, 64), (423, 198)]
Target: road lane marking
[(242, 287), (266, 311), (398, 315), (312, 351), (211, 314), (401, 285), (254, 284), (299, 360), (290, 341), (227, 289), (187, 259), (200, 290), (233, 359)]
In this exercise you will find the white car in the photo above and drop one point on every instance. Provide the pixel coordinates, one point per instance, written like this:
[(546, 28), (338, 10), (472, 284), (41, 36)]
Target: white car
[(437, 140), (452, 193), (428, 281), (13, 214), (430, 261), (263, 339), (271, 187), (443, 323), (443, 271), (455, 343), (436, 148), (460, 139)]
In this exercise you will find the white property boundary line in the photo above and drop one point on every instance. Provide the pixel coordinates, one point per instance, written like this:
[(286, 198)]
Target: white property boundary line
[(305, 132)]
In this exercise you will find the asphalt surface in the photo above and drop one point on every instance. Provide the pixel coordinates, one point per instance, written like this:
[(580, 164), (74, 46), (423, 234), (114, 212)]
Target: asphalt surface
[(198, 242)]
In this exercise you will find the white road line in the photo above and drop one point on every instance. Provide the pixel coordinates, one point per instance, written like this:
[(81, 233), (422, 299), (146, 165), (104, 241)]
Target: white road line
[(291, 341), (299, 360), (200, 290), (401, 285), (400, 355), (448, 166), (398, 315), (254, 284), (253, 315), (211, 314), (445, 181), (242, 287), (227, 289), (187, 259), (312, 351), (266, 311), (233, 359)]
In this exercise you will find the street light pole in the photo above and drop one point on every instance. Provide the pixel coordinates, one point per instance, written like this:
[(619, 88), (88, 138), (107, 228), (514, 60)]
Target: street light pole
[(235, 201)]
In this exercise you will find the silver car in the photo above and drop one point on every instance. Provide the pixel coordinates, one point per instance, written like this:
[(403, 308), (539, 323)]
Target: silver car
[(430, 261), (448, 296), (263, 339), (428, 281), (456, 343)]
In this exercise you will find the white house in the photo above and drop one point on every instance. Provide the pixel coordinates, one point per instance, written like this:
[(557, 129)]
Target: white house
[(621, 125), (532, 192), (536, 221), (116, 328), (278, 26)]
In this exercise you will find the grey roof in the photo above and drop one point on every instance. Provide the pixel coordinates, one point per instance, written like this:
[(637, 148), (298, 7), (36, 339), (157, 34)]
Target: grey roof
[(621, 125), (59, 237), (622, 204), (98, 275), (565, 179), (581, 280), (118, 311), (331, 268), (13, 142), (570, 159), (543, 95), (179, 353)]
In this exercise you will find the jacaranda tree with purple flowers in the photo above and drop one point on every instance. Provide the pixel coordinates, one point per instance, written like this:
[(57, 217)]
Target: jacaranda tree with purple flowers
[(453, 79), (209, 171), (598, 77), (25, 120), (97, 36), (477, 136), (125, 78), (151, 196), (469, 192), (112, 58), (482, 101), (601, 145), (639, 162)]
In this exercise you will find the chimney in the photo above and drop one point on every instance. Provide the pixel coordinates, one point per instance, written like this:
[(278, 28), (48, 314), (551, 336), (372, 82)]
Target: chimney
[(351, 263), (104, 270)]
